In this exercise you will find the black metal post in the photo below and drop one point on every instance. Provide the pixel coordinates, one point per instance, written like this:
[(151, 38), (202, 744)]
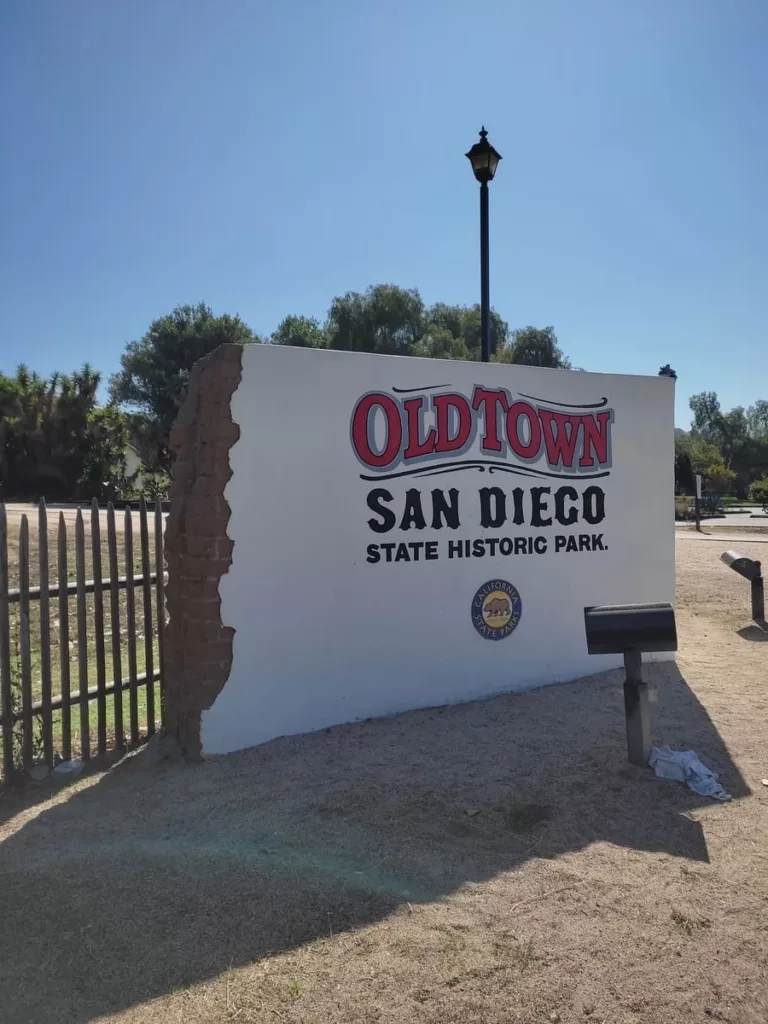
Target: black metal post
[(485, 288), (637, 710), (758, 600)]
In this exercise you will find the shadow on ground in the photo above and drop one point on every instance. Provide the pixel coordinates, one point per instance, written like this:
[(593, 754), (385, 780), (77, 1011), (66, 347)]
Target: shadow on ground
[(757, 632), (22, 796), (151, 880)]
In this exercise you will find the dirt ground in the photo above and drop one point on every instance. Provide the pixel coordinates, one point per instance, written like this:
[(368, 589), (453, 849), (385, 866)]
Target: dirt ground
[(490, 863)]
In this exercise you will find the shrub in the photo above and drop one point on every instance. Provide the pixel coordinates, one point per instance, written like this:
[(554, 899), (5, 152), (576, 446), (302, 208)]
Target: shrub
[(759, 491), (154, 487), (683, 507), (719, 478), (157, 486)]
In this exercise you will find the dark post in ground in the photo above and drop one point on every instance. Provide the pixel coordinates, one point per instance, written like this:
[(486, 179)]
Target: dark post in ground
[(758, 599), (637, 710)]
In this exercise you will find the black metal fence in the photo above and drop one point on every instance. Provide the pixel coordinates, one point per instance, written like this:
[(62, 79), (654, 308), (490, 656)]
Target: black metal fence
[(80, 664)]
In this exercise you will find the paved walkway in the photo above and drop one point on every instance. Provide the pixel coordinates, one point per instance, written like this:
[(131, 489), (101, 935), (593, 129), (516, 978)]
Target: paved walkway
[(15, 510), (746, 518), (745, 537)]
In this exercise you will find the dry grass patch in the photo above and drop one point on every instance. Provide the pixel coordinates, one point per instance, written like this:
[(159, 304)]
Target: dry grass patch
[(492, 863)]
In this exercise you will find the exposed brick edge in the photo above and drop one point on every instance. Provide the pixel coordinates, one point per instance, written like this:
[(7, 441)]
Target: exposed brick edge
[(198, 647)]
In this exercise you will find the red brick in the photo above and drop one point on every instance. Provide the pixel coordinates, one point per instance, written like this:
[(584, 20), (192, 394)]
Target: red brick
[(198, 647)]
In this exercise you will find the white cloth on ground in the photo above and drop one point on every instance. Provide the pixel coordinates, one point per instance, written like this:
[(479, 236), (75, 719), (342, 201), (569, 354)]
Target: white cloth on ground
[(684, 766)]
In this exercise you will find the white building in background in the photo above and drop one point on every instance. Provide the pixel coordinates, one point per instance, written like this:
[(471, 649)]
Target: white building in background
[(133, 466)]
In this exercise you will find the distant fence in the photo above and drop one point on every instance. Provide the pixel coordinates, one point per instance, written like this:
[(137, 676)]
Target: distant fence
[(75, 650)]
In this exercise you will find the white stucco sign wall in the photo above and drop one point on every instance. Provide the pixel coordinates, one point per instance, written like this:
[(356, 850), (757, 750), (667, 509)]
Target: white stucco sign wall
[(414, 532)]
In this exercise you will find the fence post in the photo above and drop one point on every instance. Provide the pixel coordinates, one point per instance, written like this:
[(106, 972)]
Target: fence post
[(160, 603), (130, 628), (66, 707), (6, 701), (114, 614), (27, 752), (82, 637), (149, 668), (98, 628), (45, 634)]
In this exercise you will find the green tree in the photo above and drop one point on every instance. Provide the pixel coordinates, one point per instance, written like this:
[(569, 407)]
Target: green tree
[(684, 481), (145, 436), (300, 331), (103, 472), (385, 319), (439, 343), (733, 435), (7, 401), (700, 452), (719, 478), (56, 442), (535, 346), (707, 417), (757, 419), (452, 319), (464, 323), (728, 431), (394, 321), (750, 460), (155, 370)]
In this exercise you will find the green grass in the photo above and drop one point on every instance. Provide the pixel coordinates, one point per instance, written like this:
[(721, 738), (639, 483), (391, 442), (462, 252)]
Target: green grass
[(113, 740), (726, 502)]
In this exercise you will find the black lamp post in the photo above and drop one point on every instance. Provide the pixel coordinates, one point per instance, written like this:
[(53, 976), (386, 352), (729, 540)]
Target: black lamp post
[(484, 160)]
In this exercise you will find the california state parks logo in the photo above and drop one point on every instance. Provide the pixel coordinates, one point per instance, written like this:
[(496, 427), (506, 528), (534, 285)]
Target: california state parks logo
[(496, 609)]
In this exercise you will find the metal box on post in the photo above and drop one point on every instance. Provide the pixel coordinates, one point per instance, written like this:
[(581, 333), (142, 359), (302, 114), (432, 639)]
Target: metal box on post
[(751, 570), (616, 628), (631, 630)]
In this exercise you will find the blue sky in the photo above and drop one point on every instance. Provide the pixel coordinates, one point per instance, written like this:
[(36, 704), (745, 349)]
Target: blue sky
[(266, 156)]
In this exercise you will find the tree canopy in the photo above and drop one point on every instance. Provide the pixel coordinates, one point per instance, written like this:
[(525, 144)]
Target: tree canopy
[(301, 332), (390, 320), (395, 321), (757, 419), (55, 441), (730, 449), (533, 346), (155, 369), (385, 319)]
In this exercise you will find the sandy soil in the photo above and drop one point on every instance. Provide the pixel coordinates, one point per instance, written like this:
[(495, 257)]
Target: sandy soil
[(496, 862)]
